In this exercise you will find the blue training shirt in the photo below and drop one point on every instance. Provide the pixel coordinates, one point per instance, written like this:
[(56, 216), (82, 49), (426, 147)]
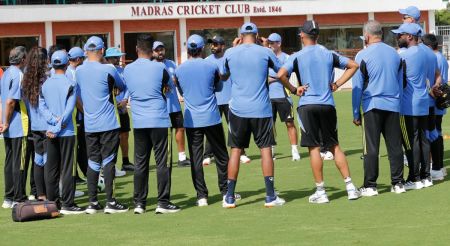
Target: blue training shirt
[(123, 95), (223, 88), (378, 82), (173, 105), (196, 80), (248, 66), (96, 82), (276, 89), (443, 68), (57, 100), (145, 81), (415, 101), (432, 66), (314, 66), (10, 88)]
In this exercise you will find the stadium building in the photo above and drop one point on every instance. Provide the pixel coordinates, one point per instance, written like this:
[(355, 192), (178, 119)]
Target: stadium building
[(70, 22)]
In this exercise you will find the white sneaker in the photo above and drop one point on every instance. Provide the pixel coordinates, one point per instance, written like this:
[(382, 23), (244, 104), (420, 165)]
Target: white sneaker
[(202, 202), (444, 171), (368, 191), (427, 182), (79, 193), (31, 198), (237, 196), (231, 203), (413, 185), (206, 161), (120, 173), (139, 210), (328, 156), (319, 197), (245, 159), (353, 193), (295, 156), (398, 188), (437, 175), (7, 204), (274, 203), (405, 160)]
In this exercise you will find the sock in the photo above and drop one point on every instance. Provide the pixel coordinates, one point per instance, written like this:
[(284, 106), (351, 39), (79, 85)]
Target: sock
[(231, 186), (182, 156), (320, 187), (348, 183), (125, 161), (294, 148), (270, 191)]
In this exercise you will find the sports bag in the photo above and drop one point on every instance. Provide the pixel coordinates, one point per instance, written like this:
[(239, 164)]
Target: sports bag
[(34, 210)]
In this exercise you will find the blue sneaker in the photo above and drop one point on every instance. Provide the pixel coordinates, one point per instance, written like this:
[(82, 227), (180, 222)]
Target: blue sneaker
[(228, 202), (274, 201)]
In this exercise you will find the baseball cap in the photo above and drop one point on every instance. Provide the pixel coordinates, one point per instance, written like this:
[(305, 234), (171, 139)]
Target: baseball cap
[(17, 54), (310, 27), (157, 44), (409, 28), (60, 58), (75, 52), (113, 52), (274, 37), (249, 28), (94, 43), (195, 42), (216, 39), (412, 11)]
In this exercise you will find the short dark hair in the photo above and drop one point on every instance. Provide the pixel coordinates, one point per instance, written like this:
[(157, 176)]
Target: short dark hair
[(312, 36), (195, 52), (430, 40), (144, 43), (59, 66)]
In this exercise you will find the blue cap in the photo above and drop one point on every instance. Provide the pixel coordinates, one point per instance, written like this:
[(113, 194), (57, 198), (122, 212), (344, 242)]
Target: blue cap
[(95, 42), (60, 58), (249, 28), (75, 52), (157, 44), (274, 37), (195, 42), (412, 11), (113, 52), (409, 28)]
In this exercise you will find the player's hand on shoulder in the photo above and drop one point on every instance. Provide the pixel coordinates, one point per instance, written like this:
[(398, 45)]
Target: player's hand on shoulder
[(237, 41)]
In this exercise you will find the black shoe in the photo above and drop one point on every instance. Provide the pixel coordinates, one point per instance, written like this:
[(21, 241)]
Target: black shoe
[(185, 163), (93, 208), (74, 209), (128, 167), (80, 181), (139, 209), (167, 209), (115, 207)]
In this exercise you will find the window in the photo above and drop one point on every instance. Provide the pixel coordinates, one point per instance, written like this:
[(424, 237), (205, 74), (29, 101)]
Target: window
[(344, 40), (166, 37), (290, 42), (7, 43), (227, 34), (69, 41)]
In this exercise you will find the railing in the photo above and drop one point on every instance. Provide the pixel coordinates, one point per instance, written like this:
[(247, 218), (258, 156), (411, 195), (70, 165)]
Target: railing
[(444, 31)]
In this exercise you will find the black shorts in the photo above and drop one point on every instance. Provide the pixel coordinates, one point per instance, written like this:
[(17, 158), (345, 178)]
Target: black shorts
[(318, 124), (240, 129), (224, 109), (177, 120), (102, 147), (124, 122), (284, 109)]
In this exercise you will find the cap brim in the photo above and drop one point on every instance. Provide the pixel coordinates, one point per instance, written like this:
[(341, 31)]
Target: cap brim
[(403, 11), (397, 31), (154, 48)]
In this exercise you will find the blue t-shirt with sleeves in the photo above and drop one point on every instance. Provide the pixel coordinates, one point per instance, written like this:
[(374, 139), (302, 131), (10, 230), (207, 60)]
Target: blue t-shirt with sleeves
[(432, 66), (173, 105), (276, 89), (443, 68), (123, 95), (248, 66), (415, 101), (70, 73), (314, 66), (96, 82), (145, 81), (378, 82), (196, 80), (11, 89), (58, 99), (223, 88)]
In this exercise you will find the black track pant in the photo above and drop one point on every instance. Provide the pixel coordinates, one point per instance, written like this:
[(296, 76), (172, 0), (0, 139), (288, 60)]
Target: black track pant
[(223, 110), (416, 146), (82, 158), (215, 136), (60, 165), (437, 147), (40, 158), (377, 122), (15, 172), (146, 139), (29, 157)]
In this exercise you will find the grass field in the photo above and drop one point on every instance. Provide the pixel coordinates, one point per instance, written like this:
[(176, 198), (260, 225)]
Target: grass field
[(416, 217)]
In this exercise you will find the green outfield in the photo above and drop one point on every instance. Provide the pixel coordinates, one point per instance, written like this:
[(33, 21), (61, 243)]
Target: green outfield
[(417, 217)]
